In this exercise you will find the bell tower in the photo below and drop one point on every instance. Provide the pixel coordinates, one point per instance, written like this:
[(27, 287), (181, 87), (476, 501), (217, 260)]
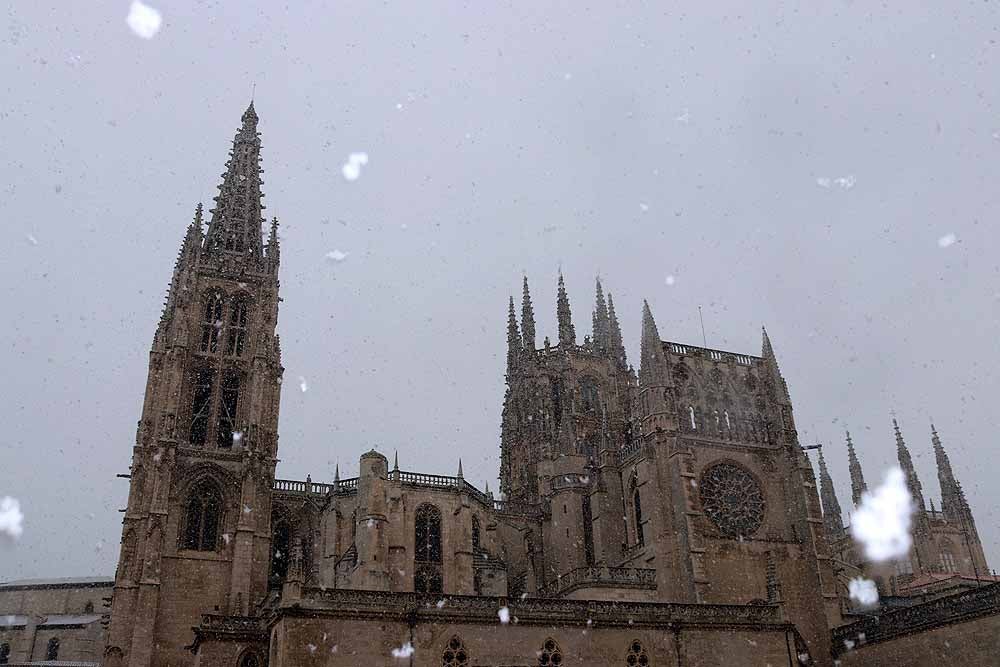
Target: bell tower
[(196, 534)]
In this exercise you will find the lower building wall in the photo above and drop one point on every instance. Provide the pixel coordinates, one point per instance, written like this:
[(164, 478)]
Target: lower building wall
[(973, 643)]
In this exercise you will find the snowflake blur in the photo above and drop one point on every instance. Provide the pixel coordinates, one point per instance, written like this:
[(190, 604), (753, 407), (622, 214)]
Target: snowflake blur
[(143, 20), (11, 518), (352, 168), (882, 521), (404, 651), (863, 591)]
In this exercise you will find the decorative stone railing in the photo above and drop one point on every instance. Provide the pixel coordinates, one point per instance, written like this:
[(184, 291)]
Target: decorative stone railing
[(629, 450), (232, 624), (714, 355), (518, 508), (908, 620), (569, 481), (599, 576), (630, 551), (310, 488)]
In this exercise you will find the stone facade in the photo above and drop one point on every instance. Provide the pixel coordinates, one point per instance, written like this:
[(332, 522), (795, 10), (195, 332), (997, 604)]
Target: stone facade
[(665, 517), (46, 620)]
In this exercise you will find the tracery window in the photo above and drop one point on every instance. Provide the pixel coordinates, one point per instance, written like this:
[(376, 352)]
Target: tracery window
[(427, 577), (237, 327), (476, 537), (280, 544), (201, 405), (454, 654), (550, 655), (4, 653), (588, 394), (637, 510), (732, 499), (52, 650), (250, 659), (636, 655), (948, 562), (588, 531), (202, 518), (228, 401), (211, 323)]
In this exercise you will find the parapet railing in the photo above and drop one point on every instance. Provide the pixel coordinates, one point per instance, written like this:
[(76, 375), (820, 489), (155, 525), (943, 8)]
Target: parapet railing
[(236, 624), (309, 487), (599, 575), (714, 355), (907, 620)]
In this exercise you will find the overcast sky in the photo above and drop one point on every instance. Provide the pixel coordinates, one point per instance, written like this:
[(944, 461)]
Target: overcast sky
[(800, 166)]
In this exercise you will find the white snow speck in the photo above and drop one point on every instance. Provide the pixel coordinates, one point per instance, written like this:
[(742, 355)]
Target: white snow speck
[(643, 207), (947, 240), (404, 651), (371, 523), (31, 239), (567, 76), (143, 20), (11, 518), (311, 647), (247, 509), (823, 182), (237, 437), (670, 280), (504, 614), (440, 604), (842, 182), (848, 644), (863, 591), (882, 522), (303, 385), (336, 255), (99, 546), (226, 538), (352, 168), (684, 117)]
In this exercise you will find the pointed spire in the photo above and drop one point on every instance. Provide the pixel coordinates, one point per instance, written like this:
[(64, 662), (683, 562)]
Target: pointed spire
[(460, 475), (527, 319), (237, 217), (273, 249), (395, 460), (513, 337), (906, 463), (617, 349), (858, 486), (186, 258), (771, 362), (653, 364), (567, 334), (833, 521), (601, 323), (953, 503)]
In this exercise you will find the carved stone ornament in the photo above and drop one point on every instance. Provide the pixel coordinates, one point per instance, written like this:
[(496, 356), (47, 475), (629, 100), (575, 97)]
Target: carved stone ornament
[(732, 499)]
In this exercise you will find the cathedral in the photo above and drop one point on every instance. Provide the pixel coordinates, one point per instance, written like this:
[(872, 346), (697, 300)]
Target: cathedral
[(665, 517)]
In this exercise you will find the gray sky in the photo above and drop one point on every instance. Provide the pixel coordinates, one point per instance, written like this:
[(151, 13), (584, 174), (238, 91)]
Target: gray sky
[(635, 140)]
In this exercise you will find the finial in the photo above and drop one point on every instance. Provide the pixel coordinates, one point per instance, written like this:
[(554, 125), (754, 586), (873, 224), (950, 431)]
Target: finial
[(336, 473), (460, 476), (395, 461)]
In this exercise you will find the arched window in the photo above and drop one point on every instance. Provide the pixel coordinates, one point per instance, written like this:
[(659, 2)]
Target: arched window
[(4, 653), (250, 659), (588, 394), (211, 323), (88, 608), (948, 562), (694, 425), (227, 409), (202, 518), (636, 655), (637, 513), (476, 536), (237, 327), (588, 531), (201, 405), (280, 544), (427, 577), (550, 655), (52, 650), (454, 654)]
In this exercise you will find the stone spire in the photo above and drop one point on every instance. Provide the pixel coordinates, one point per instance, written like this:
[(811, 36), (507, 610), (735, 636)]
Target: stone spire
[(527, 319), (513, 338), (273, 248), (186, 259), (567, 334), (906, 463), (771, 363), (833, 521), (617, 349), (653, 363), (953, 503), (858, 485), (237, 217), (602, 324)]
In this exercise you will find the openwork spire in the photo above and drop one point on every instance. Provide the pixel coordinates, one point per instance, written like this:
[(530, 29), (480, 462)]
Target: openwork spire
[(858, 486), (527, 319), (833, 521), (906, 463), (237, 217), (567, 334), (617, 349), (513, 337), (602, 325), (653, 364), (186, 258), (771, 362), (953, 502)]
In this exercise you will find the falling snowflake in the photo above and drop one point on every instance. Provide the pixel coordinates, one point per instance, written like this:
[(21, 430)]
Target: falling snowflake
[(336, 255), (237, 437), (226, 538), (352, 168), (303, 385), (670, 281), (31, 239), (504, 614), (684, 117), (311, 647), (863, 591), (842, 182), (247, 509), (882, 521), (643, 207), (947, 240), (440, 604), (11, 518), (143, 20), (404, 651)]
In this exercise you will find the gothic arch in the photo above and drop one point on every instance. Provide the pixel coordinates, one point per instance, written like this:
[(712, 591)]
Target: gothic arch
[(634, 500), (427, 550), (113, 657), (455, 654), (251, 657), (636, 656), (202, 516), (550, 654)]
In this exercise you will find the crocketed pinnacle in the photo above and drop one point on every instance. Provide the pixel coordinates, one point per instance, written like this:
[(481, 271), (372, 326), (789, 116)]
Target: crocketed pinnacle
[(653, 363), (615, 339), (858, 486), (601, 334), (527, 319), (567, 334), (833, 521), (906, 463)]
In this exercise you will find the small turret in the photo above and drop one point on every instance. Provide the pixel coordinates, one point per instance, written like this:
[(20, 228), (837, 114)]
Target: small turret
[(833, 521), (527, 319), (601, 334), (906, 463), (858, 486), (513, 338), (567, 334), (617, 349)]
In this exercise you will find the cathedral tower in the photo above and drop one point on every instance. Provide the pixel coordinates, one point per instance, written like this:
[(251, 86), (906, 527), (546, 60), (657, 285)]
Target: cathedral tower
[(196, 534)]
